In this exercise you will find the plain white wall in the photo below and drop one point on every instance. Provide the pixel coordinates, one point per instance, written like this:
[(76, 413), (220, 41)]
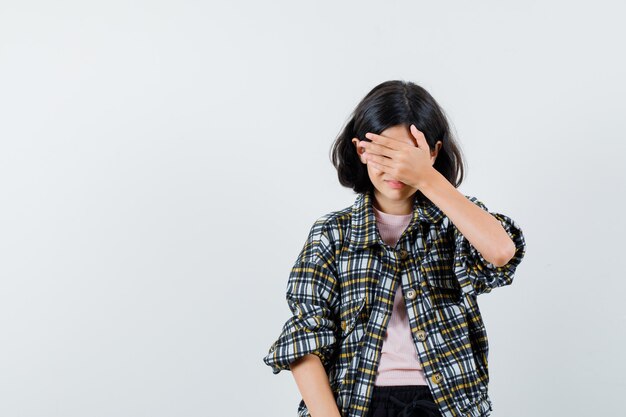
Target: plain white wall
[(162, 161)]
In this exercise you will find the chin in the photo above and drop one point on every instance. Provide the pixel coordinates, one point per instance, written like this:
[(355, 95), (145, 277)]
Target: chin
[(396, 193)]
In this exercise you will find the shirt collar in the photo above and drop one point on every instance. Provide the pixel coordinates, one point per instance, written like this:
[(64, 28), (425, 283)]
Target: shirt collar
[(364, 232)]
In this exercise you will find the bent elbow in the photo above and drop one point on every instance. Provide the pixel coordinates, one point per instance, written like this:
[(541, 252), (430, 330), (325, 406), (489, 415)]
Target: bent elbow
[(506, 255)]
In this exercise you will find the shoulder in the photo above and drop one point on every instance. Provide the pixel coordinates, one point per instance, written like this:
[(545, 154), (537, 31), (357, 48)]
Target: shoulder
[(333, 224), (476, 201), (326, 235)]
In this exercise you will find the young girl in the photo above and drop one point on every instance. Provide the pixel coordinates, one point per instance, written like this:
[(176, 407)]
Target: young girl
[(383, 293)]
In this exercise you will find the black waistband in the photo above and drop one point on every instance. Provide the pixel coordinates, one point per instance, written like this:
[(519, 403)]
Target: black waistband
[(400, 388)]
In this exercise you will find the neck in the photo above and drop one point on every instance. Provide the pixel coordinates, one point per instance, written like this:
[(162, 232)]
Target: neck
[(397, 207)]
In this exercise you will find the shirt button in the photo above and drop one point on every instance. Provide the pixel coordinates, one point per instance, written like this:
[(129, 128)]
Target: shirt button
[(421, 335), (403, 254), (436, 378), (411, 294)]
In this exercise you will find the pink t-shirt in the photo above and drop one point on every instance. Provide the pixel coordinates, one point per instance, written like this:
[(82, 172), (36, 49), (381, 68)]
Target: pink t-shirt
[(399, 363)]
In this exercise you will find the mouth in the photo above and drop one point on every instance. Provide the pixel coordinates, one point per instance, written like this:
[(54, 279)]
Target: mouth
[(395, 184)]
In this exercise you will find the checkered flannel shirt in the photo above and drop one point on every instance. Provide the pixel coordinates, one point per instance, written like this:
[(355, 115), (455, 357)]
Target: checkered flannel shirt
[(341, 288)]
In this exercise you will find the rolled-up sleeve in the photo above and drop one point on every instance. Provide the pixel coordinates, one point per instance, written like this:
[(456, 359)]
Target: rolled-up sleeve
[(311, 296), (470, 266)]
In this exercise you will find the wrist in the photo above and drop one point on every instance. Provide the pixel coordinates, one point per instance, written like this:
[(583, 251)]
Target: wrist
[(430, 177)]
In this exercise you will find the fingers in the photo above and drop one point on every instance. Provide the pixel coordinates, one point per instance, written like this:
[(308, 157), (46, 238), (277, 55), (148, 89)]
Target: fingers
[(419, 137), (378, 162), (384, 141), (376, 149)]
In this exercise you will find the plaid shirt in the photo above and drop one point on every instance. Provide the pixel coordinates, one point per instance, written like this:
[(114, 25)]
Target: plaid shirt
[(341, 289)]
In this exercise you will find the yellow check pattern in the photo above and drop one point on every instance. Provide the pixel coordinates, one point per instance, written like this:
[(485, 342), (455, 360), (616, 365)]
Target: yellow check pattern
[(340, 292)]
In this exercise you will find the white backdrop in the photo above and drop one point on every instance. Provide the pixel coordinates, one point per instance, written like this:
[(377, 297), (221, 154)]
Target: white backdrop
[(161, 163)]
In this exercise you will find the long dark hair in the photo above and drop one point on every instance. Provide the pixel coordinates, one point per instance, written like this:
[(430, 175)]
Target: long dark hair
[(393, 103)]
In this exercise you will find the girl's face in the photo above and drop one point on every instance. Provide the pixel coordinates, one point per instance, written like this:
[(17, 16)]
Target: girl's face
[(392, 196)]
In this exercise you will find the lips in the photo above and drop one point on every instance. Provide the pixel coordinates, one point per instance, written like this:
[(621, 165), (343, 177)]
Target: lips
[(395, 184)]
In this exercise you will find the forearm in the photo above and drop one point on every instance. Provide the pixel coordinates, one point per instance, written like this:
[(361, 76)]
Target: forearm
[(482, 229), (312, 381)]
